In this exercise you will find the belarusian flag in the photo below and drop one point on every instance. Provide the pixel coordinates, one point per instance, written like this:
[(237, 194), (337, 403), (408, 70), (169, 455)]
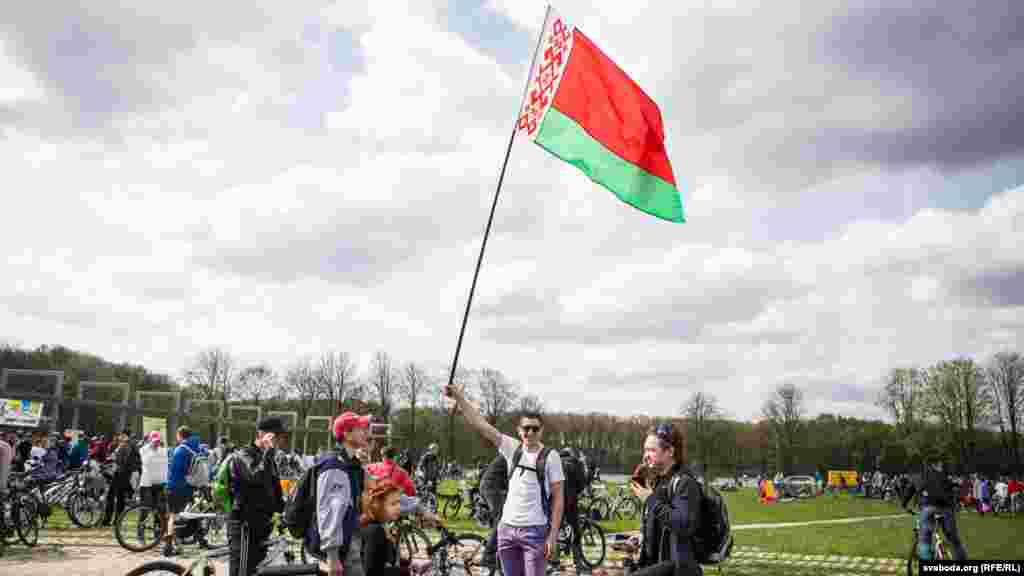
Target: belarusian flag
[(584, 109)]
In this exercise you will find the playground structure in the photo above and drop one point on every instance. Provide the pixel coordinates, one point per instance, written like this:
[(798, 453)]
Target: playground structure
[(105, 407)]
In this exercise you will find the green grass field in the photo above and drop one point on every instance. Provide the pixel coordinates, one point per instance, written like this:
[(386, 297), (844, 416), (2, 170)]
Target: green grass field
[(984, 537)]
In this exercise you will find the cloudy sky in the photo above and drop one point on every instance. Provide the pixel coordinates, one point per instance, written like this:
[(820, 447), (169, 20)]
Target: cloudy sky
[(296, 177)]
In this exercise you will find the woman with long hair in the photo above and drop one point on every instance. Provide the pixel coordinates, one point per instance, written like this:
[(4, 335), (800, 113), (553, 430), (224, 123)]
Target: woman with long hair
[(671, 511)]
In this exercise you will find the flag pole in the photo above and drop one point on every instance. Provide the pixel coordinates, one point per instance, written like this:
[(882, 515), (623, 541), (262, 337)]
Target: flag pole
[(494, 203)]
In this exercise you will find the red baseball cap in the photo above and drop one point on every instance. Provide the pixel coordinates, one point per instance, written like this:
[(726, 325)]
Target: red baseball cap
[(349, 421)]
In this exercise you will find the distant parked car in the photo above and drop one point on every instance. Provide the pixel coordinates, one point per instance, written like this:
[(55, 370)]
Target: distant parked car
[(798, 486)]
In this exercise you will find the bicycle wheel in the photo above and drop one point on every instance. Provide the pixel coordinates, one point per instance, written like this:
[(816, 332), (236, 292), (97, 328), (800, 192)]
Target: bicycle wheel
[(451, 508), (158, 567), (26, 519), (139, 528), (592, 548), (627, 509), (84, 511), (463, 556), (414, 543)]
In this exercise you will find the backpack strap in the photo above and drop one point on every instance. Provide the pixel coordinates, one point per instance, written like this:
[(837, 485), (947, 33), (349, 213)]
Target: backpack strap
[(541, 467), (675, 485)]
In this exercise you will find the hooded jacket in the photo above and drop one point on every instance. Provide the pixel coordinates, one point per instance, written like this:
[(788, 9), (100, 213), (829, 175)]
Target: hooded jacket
[(180, 462)]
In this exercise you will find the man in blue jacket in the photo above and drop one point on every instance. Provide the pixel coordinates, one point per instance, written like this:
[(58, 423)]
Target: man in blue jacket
[(179, 492)]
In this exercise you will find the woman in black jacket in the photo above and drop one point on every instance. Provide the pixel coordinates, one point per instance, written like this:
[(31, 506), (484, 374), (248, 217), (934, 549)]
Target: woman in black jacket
[(671, 512)]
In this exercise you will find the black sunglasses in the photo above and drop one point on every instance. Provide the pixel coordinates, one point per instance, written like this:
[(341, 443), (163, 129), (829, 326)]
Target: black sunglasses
[(664, 431), (529, 429)]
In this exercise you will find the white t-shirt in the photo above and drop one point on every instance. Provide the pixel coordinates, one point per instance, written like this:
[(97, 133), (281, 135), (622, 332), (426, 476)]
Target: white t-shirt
[(523, 506)]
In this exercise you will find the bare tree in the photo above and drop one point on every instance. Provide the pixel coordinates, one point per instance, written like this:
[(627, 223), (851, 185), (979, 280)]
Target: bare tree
[(210, 374), (958, 400), (497, 394), (383, 380), (414, 386), (301, 384), (530, 403), (1005, 382), (337, 376), (700, 411), (255, 383), (901, 398), (784, 411)]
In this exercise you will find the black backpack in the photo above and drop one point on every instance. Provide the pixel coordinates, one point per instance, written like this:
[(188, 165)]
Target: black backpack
[(937, 489), (299, 516), (575, 480), (494, 480), (542, 462), (712, 541)]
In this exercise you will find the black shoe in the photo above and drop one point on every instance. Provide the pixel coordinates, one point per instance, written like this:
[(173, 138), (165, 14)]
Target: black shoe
[(169, 550)]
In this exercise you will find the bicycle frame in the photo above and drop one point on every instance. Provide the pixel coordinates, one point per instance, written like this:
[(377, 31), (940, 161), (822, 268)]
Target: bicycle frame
[(277, 547)]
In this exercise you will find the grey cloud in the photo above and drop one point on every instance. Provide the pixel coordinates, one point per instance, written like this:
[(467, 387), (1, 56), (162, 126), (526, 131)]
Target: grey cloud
[(839, 391), (823, 92), (682, 316), (957, 61), (99, 60), (997, 288)]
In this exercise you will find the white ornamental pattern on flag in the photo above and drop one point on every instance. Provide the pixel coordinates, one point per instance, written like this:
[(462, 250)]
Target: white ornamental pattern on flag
[(546, 73)]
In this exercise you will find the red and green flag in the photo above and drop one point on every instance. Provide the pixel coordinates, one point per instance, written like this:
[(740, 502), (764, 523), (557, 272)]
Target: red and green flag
[(581, 107)]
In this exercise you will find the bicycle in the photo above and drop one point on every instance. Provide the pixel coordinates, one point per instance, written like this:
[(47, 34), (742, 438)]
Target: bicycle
[(200, 522), (593, 545), (456, 554), (85, 503), (594, 504), (279, 548), (625, 505), (21, 512), (938, 543), (412, 540)]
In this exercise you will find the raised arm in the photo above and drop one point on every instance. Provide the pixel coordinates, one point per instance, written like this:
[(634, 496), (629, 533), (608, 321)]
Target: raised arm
[(473, 416)]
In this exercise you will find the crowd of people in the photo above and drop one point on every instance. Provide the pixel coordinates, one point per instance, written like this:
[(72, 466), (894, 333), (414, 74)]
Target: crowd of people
[(358, 490)]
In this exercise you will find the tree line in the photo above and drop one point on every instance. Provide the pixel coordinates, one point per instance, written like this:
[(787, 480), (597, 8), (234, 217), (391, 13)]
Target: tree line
[(967, 411)]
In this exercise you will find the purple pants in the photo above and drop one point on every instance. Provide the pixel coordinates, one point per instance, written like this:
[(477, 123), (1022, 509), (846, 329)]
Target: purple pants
[(521, 550)]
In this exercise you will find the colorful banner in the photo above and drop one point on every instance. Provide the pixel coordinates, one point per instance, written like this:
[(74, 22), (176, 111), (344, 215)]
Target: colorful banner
[(849, 476), (20, 412)]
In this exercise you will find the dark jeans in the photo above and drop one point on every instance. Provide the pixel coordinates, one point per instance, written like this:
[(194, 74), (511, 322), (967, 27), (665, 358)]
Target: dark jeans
[(572, 518), (925, 549), (491, 550), (152, 496), (120, 491), (247, 540)]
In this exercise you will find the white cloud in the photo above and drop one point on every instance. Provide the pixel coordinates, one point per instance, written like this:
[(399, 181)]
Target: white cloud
[(197, 212), (19, 84)]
